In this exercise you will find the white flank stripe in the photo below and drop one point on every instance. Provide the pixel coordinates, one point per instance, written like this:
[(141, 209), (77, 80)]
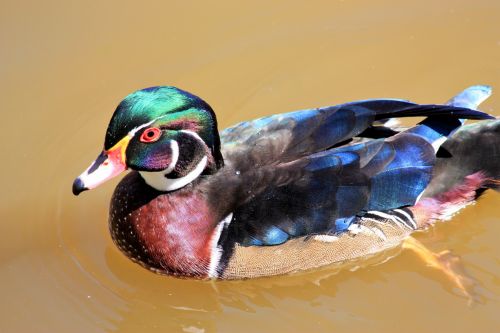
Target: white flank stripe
[(400, 220), (419, 196), (216, 252), (326, 238), (356, 228), (410, 219), (386, 216)]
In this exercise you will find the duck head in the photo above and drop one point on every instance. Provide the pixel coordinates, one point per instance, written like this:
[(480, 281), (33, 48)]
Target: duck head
[(166, 134)]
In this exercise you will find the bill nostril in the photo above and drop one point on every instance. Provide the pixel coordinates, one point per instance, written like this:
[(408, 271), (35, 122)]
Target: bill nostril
[(102, 158)]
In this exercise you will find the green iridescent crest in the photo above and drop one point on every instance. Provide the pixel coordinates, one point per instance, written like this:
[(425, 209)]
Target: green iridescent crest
[(168, 108), (163, 103)]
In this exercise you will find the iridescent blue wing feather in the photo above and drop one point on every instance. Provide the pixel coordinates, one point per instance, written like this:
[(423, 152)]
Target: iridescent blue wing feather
[(335, 186), (310, 180)]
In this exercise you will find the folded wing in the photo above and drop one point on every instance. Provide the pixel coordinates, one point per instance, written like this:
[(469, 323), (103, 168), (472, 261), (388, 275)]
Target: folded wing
[(300, 176), (334, 187)]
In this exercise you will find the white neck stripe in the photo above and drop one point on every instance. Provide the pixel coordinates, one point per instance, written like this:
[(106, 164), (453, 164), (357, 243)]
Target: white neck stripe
[(193, 134), (216, 251)]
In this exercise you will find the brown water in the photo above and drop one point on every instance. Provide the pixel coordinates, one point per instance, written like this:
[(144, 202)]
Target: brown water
[(64, 66)]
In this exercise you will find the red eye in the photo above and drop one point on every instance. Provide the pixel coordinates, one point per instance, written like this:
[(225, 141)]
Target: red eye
[(151, 134)]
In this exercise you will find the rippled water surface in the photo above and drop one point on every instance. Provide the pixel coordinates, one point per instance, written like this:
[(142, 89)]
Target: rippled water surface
[(65, 65)]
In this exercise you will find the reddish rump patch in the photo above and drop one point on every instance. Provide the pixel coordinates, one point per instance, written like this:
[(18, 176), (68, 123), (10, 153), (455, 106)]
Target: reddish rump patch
[(444, 205), (465, 191)]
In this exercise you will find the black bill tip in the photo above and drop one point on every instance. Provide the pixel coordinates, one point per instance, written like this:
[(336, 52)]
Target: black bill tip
[(78, 186)]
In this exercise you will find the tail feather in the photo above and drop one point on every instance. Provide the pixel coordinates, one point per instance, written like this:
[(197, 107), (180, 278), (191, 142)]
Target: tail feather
[(434, 110), (437, 127), (471, 97), (467, 163)]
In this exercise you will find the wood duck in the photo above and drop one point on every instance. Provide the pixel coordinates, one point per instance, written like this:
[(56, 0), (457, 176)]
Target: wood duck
[(287, 192)]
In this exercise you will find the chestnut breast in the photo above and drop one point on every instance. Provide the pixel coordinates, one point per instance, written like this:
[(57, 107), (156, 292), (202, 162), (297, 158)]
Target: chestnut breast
[(168, 233)]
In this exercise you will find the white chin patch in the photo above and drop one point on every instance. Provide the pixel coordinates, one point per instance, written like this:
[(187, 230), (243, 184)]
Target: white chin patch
[(160, 182)]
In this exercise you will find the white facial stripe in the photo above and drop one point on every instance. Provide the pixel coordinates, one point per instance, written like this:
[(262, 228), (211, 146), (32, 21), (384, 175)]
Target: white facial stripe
[(158, 180), (135, 129), (216, 251), (174, 146), (193, 134)]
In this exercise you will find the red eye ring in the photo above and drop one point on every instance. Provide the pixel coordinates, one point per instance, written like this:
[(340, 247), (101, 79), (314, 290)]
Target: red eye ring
[(151, 134)]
